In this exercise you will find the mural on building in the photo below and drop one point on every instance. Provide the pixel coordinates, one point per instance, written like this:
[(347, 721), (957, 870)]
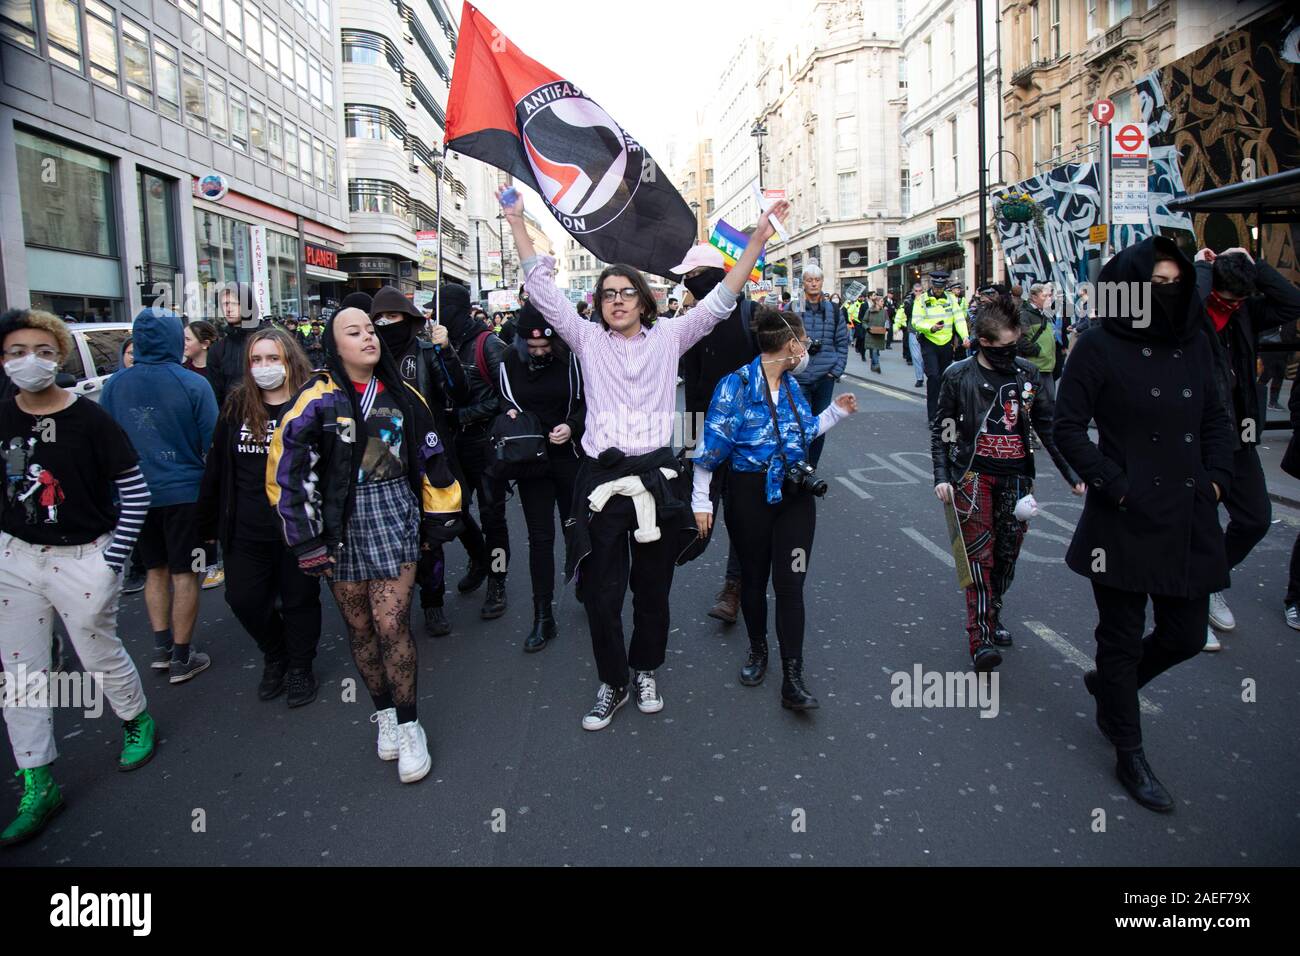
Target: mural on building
[(1229, 111)]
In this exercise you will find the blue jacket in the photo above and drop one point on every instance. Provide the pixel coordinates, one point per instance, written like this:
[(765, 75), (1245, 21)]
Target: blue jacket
[(824, 324), (167, 411), (738, 428)]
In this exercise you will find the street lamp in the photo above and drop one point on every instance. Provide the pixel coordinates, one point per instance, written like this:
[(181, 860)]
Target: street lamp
[(758, 132), (478, 256), (695, 210)]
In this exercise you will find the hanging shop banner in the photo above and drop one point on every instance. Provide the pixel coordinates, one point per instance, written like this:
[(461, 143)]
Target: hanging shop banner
[(426, 252)]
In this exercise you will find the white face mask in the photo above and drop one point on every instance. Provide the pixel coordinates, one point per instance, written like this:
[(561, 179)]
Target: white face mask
[(32, 373), (802, 365), (269, 376)]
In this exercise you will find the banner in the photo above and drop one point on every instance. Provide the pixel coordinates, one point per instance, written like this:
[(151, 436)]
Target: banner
[(503, 300), (426, 253), (260, 274), (511, 112), (731, 242)]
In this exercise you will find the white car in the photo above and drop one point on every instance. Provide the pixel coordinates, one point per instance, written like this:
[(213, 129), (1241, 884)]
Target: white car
[(98, 354)]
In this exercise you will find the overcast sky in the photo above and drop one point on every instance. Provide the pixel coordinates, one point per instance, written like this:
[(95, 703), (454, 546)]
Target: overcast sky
[(650, 65)]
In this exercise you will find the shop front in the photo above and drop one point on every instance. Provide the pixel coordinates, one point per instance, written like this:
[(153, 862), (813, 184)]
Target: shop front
[(371, 273), (325, 284), (937, 249)]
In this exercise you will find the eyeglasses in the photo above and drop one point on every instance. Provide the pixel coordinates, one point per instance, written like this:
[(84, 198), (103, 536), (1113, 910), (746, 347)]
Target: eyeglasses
[(43, 352), (609, 295)]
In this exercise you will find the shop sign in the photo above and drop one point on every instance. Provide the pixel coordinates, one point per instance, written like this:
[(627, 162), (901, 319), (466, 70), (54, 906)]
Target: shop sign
[(212, 186), (261, 277), (370, 264), (321, 257), (944, 231)]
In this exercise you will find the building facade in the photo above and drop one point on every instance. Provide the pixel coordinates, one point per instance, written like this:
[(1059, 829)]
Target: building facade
[(150, 152), (940, 136)]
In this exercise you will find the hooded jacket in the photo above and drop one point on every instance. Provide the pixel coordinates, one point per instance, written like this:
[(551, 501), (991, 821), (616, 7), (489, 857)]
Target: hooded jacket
[(226, 357), (1150, 520), (167, 411), (316, 451), (484, 401)]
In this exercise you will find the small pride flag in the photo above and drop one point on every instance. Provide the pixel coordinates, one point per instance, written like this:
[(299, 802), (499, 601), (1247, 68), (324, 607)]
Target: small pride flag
[(731, 242)]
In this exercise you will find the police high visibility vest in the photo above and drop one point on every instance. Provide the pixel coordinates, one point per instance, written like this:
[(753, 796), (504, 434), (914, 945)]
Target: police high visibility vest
[(935, 319), (851, 310)]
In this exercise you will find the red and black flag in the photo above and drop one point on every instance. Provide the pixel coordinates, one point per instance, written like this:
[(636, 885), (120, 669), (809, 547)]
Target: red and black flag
[(511, 112)]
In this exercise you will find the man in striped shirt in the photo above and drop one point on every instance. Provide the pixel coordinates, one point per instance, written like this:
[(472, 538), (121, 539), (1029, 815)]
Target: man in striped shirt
[(629, 363)]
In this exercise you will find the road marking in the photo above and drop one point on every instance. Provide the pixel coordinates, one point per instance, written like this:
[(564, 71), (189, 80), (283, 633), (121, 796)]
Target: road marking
[(902, 397), (853, 488), (1080, 659), (930, 546)]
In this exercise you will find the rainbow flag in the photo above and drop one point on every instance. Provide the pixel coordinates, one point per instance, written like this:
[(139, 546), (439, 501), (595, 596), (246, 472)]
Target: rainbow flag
[(731, 242)]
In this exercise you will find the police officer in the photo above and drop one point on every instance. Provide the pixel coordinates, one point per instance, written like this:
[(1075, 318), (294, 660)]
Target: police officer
[(934, 317)]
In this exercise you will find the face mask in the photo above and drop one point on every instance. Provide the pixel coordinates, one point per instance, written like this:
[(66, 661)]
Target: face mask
[(1001, 357), (1221, 310), (395, 335), (31, 373), (269, 376), (385, 320), (702, 284), (538, 362), (802, 365)]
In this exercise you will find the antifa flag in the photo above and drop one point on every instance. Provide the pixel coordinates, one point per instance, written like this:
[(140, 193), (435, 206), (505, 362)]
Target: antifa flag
[(511, 112)]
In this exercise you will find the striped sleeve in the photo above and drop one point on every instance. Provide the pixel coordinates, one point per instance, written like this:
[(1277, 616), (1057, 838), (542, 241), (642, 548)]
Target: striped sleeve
[(133, 496), (292, 480)]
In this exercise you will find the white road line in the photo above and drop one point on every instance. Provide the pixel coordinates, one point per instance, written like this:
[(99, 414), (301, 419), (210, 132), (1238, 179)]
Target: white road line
[(887, 391), (1080, 659), (853, 488), (930, 546)]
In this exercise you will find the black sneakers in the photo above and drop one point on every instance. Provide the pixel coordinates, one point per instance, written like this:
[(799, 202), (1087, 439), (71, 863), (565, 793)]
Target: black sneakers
[(608, 701), (436, 623), (1001, 636), (986, 658), (301, 685), (272, 683), (494, 602), (474, 577)]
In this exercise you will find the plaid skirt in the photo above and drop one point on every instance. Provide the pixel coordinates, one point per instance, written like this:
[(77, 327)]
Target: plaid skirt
[(383, 532)]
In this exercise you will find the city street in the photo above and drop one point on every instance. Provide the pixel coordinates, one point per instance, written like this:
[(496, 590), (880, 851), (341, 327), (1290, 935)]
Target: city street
[(723, 775)]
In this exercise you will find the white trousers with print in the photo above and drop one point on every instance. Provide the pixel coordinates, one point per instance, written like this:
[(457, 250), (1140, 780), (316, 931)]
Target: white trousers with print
[(36, 582)]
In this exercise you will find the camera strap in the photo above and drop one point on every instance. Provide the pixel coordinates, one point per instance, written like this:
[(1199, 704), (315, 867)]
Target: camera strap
[(776, 423)]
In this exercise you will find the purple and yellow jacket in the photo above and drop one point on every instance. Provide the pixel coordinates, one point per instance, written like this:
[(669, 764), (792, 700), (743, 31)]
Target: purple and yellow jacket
[(315, 457)]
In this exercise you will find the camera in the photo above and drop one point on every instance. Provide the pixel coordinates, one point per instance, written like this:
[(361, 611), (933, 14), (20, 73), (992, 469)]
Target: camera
[(801, 476), (814, 346)]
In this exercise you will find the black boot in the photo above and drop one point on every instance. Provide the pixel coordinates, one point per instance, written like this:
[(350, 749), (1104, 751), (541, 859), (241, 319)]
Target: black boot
[(474, 576), (794, 696), (1138, 779), (494, 602), (543, 626), (302, 686), (272, 683), (436, 623), (755, 669)]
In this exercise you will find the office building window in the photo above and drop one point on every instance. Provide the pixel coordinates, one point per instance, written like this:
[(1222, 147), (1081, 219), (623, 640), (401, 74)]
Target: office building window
[(291, 148), (313, 79), (846, 87), (372, 122), (135, 62), (1055, 116), (212, 16), (300, 68), (234, 24), (318, 161), (847, 196), (905, 191), (252, 31), (270, 45), (157, 226), (169, 79), (929, 142), (372, 49), (304, 154), (327, 87), (286, 56), (191, 7), (192, 94), (63, 33), (1123, 107), (282, 273), (217, 119), (956, 165), (952, 47), (257, 127), (238, 119), (1054, 29), (1094, 25), (377, 196), (929, 60), (1119, 9), (275, 138), (331, 168), (846, 141), (72, 210), (101, 39), (1035, 30), (18, 22), (1035, 145), (902, 72)]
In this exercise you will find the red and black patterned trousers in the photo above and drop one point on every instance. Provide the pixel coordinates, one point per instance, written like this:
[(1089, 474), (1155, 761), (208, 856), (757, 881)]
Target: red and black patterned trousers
[(986, 506)]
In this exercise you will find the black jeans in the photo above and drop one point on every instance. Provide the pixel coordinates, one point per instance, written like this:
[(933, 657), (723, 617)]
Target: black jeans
[(540, 496), (615, 562), (773, 540), (473, 451), (1293, 584), (1249, 509), (258, 572), (936, 358), (1127, 661)]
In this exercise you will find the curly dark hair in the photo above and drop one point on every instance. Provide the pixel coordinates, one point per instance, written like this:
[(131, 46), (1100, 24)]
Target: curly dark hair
[(1234, 273), (773, 328), (996, 314)]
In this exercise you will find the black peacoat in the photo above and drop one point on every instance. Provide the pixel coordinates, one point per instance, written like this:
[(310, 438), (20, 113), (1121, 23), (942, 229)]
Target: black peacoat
[(1150, 519)]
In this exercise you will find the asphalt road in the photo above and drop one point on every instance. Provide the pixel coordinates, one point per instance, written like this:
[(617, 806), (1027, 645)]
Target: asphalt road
[(723, 775)]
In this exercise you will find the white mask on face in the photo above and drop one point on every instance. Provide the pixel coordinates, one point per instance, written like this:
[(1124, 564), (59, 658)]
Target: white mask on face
[(32, 373), (269, 376), (802, 365)]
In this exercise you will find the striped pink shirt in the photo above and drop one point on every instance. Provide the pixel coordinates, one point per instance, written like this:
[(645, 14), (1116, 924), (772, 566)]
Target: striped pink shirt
[(631, 382)]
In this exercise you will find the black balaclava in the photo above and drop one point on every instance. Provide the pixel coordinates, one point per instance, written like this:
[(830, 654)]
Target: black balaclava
[(455, 314), (701, 285)]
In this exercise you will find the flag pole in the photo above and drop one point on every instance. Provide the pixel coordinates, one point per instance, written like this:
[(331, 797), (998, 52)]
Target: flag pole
[(437, 283)]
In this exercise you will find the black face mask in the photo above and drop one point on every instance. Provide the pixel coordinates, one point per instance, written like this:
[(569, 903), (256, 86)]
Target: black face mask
[(397, 336), (702, 284), (538, 362), (1169, 306), (1001, 357)]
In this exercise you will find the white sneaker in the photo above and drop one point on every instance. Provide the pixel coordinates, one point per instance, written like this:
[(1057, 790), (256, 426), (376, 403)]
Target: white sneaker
[(648, 700), (1293, 616), (388, 743), (414, 761), (1221, 618), (1211, 642)]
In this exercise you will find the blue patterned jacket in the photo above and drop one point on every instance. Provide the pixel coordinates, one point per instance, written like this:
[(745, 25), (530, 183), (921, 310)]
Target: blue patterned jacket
[(738, 427)]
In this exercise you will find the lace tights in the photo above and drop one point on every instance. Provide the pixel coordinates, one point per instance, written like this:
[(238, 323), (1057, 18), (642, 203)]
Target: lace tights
[(378, 618)]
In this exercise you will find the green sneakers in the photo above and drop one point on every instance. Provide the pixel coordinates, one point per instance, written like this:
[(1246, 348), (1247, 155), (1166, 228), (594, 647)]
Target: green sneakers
[(138, 741), (41, 801)]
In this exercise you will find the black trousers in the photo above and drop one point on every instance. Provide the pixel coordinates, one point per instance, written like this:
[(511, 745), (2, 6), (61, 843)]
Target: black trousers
[(615, 562), (936, 358), (1293, 584), (259, 572), (540, 496), (473, 453), (431, 571), (776, 541), (1249, 508), (1127, 661)]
